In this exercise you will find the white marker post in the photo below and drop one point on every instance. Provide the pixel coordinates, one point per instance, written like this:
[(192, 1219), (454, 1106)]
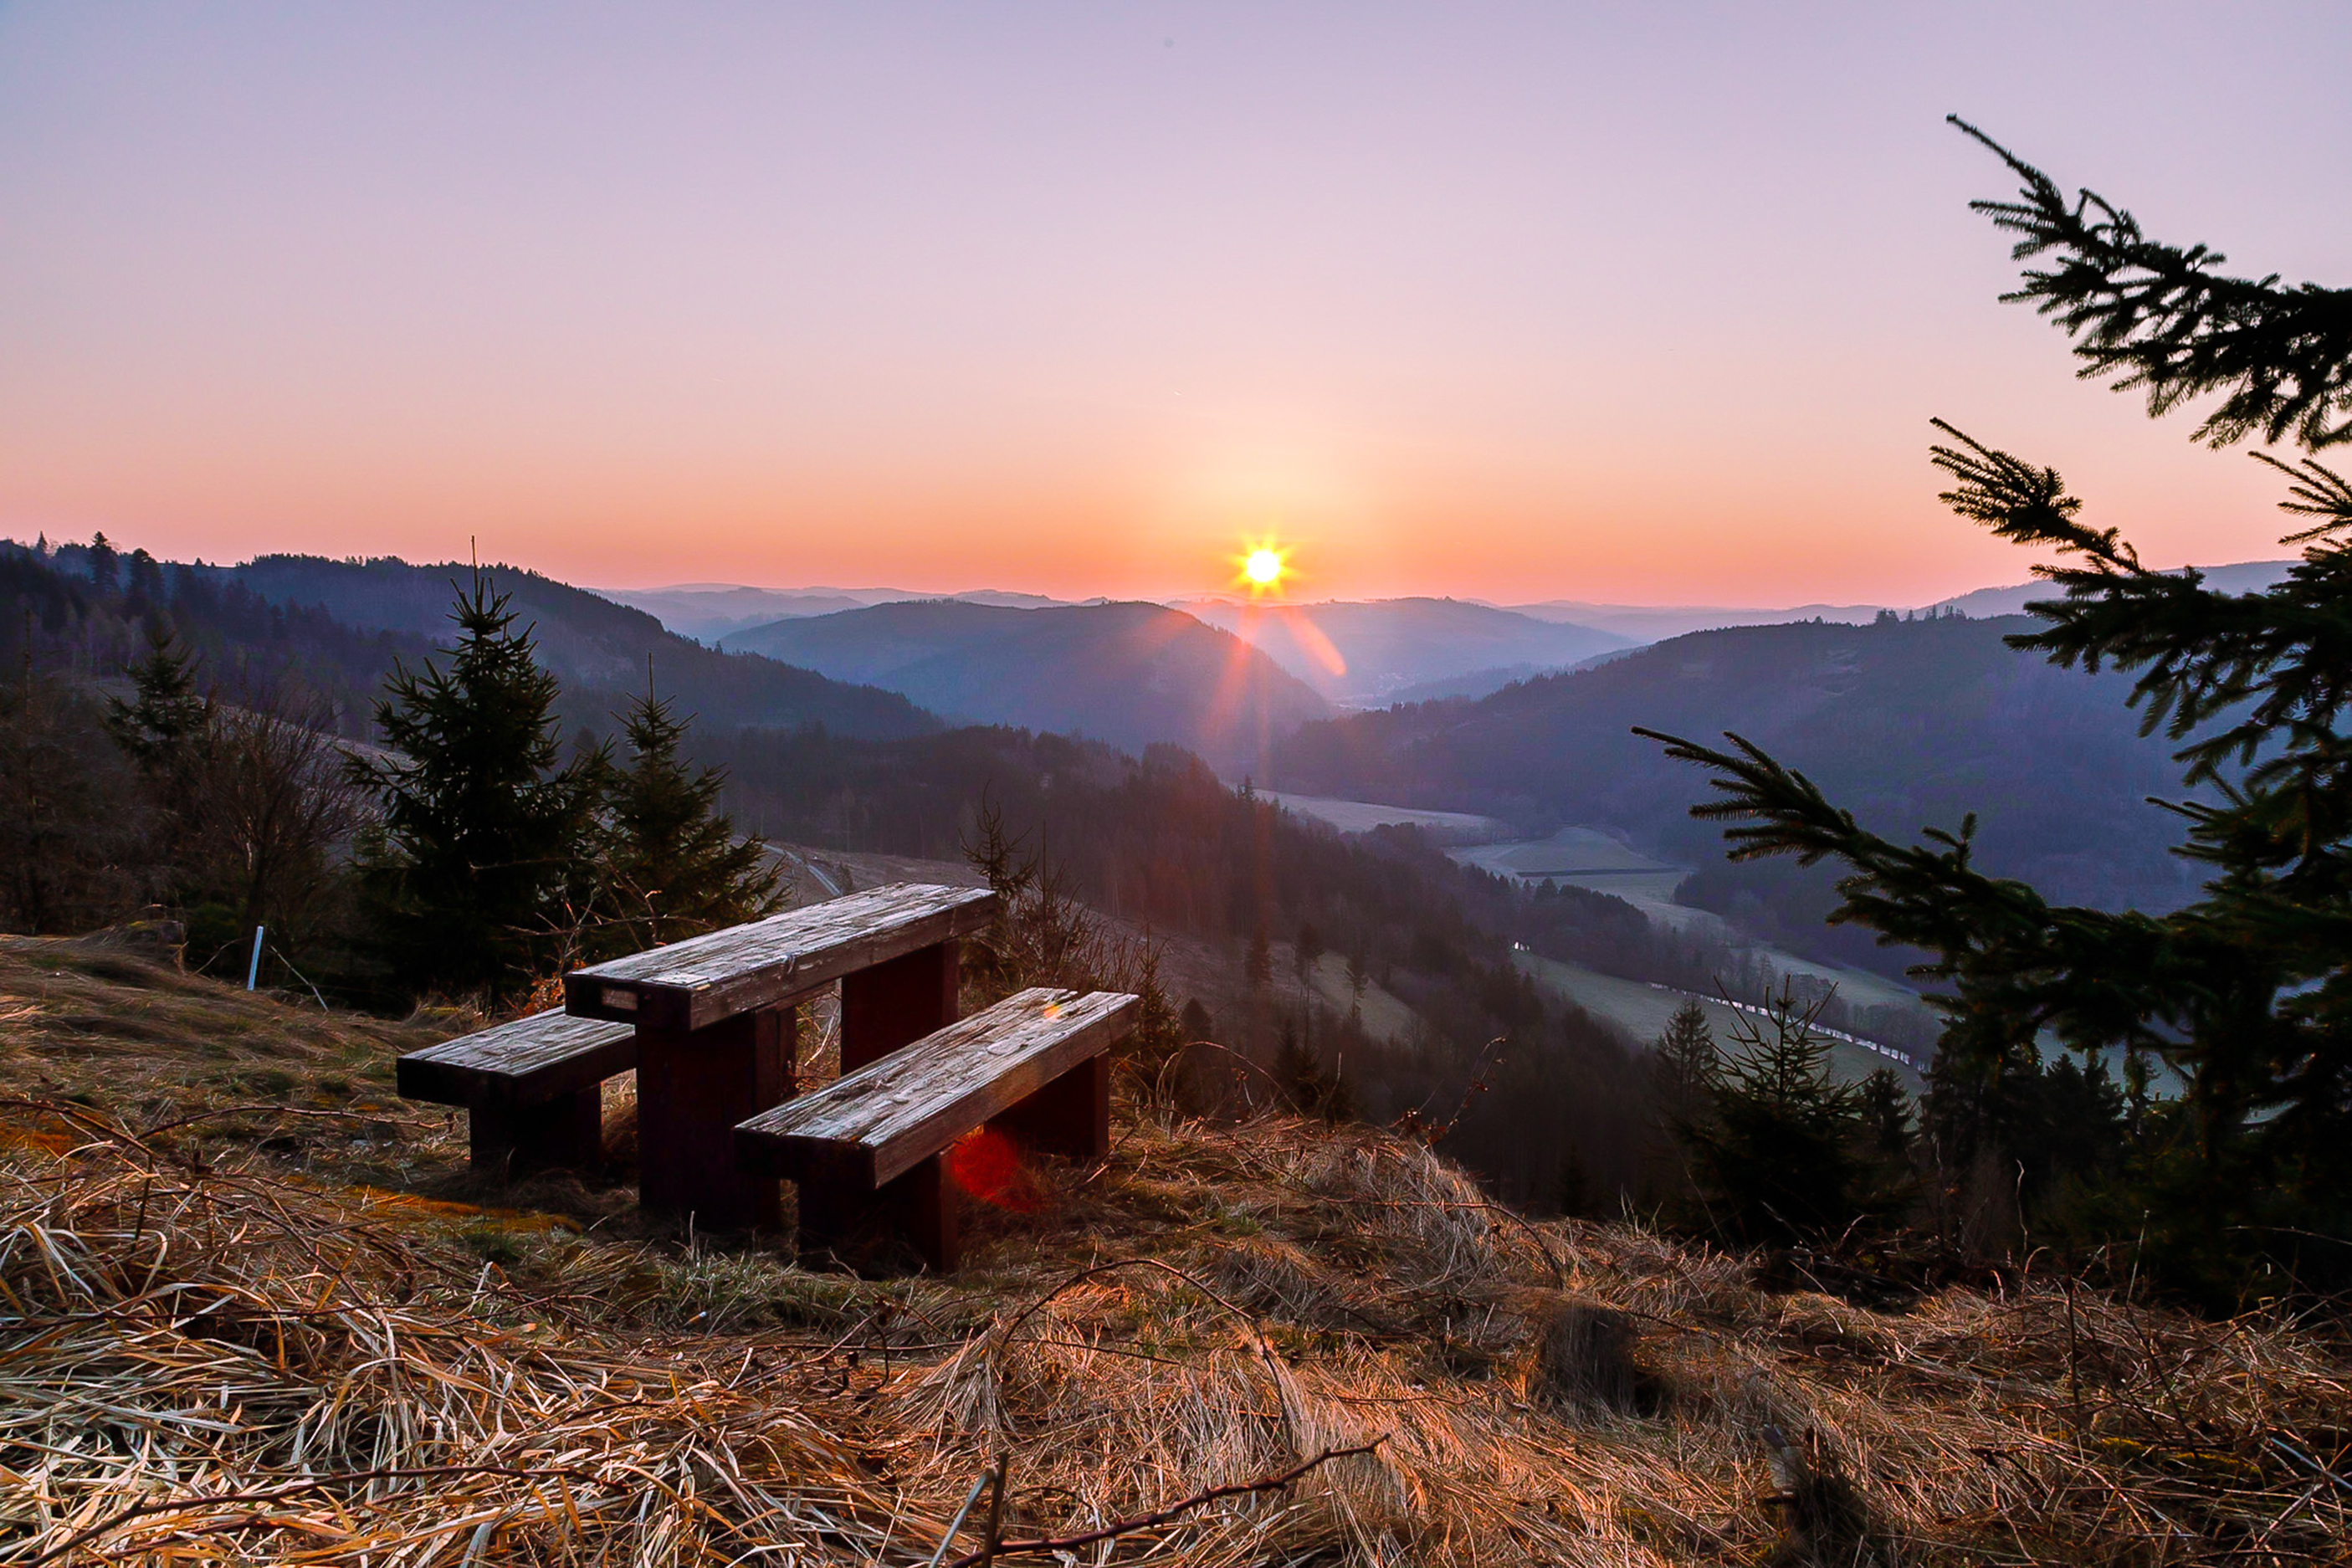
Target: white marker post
[(253, 970)]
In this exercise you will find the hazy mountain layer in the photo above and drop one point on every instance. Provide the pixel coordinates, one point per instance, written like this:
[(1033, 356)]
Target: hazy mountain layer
[(1651, 622), (1129, 674), (1368, 653), (709, 611), (2244, 577)]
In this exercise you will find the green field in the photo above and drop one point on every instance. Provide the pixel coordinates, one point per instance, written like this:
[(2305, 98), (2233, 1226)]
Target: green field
[(1641, 1010)]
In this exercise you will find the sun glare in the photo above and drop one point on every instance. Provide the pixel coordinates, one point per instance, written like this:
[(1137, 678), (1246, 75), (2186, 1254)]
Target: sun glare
[(1263, 565)]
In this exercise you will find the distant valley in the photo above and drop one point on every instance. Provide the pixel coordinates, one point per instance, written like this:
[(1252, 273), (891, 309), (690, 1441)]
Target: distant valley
[(1910, 723)]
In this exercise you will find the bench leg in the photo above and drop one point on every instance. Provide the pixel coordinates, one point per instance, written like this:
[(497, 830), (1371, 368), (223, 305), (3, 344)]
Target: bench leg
[(1070, 1116), (566, 1132), (840, 1220), (923, 1206), (693, 1086), (897, 1003)]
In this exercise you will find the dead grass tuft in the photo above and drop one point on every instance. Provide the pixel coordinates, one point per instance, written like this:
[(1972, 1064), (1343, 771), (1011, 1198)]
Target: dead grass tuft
[(215, 1350)]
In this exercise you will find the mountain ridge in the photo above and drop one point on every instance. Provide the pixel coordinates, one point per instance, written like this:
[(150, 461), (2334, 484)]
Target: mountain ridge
[(599, 649), (1131, 674)]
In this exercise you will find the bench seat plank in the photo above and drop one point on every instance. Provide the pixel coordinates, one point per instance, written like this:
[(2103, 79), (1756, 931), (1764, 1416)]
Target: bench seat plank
[(705, 980), (883, 1120), (530, 1059)]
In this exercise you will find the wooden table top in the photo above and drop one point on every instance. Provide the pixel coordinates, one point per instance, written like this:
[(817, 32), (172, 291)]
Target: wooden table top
[(708, 979)]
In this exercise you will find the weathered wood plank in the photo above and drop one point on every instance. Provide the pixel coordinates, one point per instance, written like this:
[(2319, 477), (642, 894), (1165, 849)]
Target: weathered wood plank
[(528, 1061), (694, 984), (883, 1120)]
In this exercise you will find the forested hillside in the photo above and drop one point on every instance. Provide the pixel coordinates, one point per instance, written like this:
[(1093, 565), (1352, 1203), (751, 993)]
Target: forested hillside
[(63, 617), (1907, 722), (598, 649)]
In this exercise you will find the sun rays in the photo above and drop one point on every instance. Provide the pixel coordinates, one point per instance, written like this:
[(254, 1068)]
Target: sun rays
[(1261, 568)]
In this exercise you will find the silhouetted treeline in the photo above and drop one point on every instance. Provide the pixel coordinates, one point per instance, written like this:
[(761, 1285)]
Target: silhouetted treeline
[(88, 611)]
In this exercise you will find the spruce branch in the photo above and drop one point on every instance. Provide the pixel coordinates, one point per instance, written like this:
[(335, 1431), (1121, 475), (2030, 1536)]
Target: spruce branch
[(2021, 503), (2145, 314), (2314, 490)]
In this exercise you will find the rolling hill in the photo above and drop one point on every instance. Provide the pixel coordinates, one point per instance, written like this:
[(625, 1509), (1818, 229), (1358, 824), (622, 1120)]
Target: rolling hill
[(1130, 674), (1362, 654), (1906, 724), (598, 649), (709, 611), (2240, 577)]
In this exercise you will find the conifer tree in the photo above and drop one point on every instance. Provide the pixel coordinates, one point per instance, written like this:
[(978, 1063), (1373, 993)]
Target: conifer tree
[(1307, 952), (167, 730), (676, 868), (1776, 1154), (167, 715), (2247, 993), (1683, 1065), (68, 810), (480, 829), (1257, 963)]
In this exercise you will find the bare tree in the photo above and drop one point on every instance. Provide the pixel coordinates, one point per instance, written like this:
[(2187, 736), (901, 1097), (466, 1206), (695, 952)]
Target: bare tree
[(274, 806)]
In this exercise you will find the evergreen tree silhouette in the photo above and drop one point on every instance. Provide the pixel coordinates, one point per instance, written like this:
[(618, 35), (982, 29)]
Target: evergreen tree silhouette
[(675, 867), (1776, 1154), (463, 878), (1258, 965), (2246, 994), (1684, 1065)]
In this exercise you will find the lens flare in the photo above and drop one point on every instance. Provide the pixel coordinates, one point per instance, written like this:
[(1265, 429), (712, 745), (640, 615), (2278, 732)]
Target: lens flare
[(1263, 565), (987, 1164)]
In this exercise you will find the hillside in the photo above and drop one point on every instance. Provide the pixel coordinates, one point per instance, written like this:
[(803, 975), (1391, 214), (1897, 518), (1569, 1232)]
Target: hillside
[(1655, 623), (598, 649), (1132, 675), (344, 1356), (1364, 653), (242, 641), (709, 611), (1905, 722)]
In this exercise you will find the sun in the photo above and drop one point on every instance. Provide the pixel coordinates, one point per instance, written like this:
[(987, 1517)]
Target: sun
[(1264, 565)]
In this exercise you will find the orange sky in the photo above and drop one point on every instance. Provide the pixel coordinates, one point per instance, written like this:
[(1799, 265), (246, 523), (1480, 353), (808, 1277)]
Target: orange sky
[(1509, 302)]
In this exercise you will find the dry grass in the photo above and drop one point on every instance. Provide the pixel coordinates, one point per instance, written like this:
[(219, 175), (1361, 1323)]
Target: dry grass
[(278, 1364)]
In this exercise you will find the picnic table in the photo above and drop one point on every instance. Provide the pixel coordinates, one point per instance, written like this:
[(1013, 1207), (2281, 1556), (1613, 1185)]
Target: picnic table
[(707, 1024), (713, 1016)]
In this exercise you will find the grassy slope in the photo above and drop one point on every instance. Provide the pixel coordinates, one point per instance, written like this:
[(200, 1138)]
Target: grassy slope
[(263, 1305)]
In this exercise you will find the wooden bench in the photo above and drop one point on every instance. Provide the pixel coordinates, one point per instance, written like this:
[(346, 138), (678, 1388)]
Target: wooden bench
[(714, 1026), (531, 1088), (870, 1146)]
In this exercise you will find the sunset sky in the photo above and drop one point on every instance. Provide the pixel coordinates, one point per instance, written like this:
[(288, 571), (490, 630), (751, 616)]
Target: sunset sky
[(1624, 303)]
